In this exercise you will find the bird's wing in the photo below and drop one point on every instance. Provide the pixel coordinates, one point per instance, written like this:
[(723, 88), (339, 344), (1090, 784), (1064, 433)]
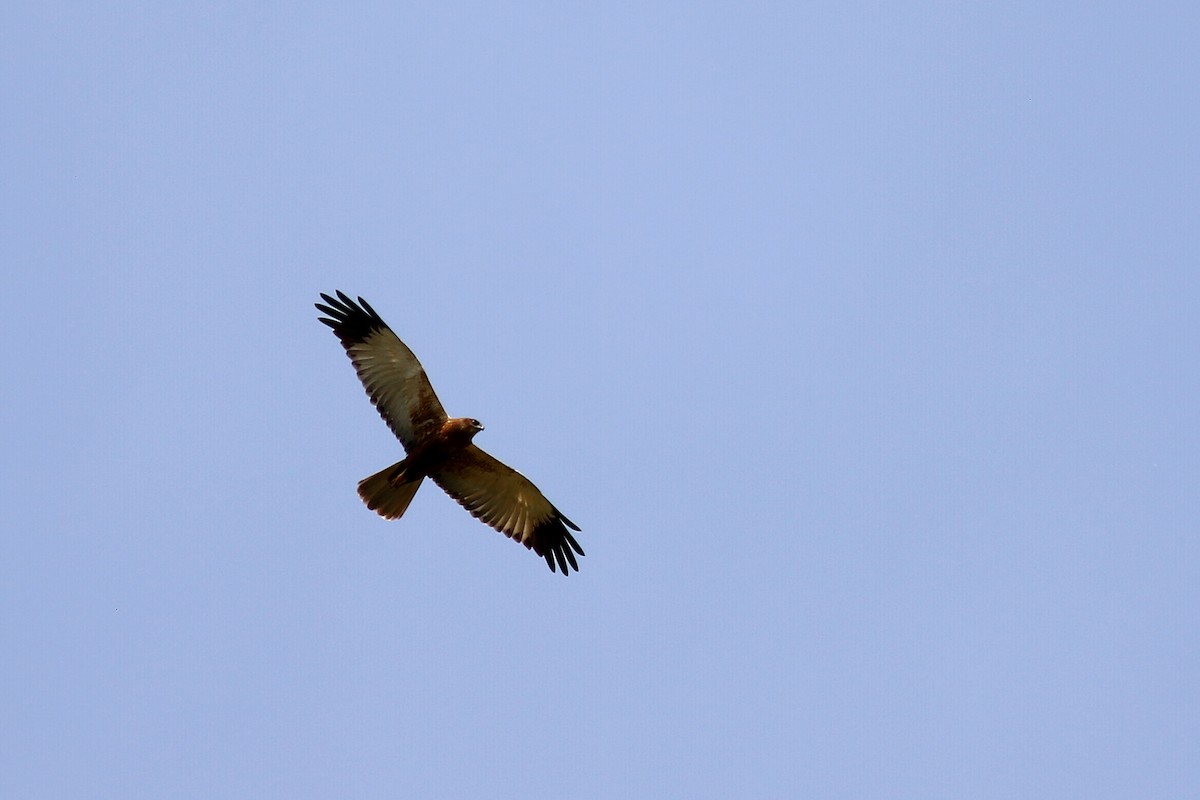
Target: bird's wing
[(388, 370), (509, 502)]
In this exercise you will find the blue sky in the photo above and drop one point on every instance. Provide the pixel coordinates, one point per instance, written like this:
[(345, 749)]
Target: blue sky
[(860, 339)]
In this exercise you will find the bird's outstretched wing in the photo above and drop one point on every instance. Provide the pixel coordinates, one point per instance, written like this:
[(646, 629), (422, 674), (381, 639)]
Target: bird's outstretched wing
[(388, 370), (509, 502)]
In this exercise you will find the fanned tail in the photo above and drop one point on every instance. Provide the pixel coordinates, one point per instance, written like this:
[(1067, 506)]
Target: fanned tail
[(384, 495)]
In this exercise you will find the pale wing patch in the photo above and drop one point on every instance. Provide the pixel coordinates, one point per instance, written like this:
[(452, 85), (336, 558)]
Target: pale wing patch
[(391, 374), (397, 386), (507, 501)]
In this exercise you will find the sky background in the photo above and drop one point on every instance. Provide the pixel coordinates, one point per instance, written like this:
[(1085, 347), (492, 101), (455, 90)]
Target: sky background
[(861, 340)]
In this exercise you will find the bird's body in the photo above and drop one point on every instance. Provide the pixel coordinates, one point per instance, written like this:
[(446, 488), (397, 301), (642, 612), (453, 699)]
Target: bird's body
[(438, 446)]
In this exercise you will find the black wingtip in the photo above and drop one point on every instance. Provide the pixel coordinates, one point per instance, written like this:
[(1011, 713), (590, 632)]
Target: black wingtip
[(560, 556), (351, 322), (367, 307), (568, 522)]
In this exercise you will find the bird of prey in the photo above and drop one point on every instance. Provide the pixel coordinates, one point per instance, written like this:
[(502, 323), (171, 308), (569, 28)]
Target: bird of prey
[(439, 446)]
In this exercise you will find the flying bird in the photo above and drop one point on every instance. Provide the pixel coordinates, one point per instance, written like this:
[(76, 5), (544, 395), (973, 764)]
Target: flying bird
[(439, 446)]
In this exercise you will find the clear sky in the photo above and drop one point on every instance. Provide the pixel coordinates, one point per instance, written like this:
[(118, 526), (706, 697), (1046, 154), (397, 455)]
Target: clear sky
[(861, 339)]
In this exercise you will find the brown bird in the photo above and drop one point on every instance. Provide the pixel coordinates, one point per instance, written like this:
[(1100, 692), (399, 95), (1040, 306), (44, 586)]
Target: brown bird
[(439, 446)]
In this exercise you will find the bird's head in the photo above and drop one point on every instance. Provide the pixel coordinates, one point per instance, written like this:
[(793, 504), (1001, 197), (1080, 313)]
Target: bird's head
[(462, 429)]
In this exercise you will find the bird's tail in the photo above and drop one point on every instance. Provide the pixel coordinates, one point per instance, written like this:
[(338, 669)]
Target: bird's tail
[(387, 493)]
